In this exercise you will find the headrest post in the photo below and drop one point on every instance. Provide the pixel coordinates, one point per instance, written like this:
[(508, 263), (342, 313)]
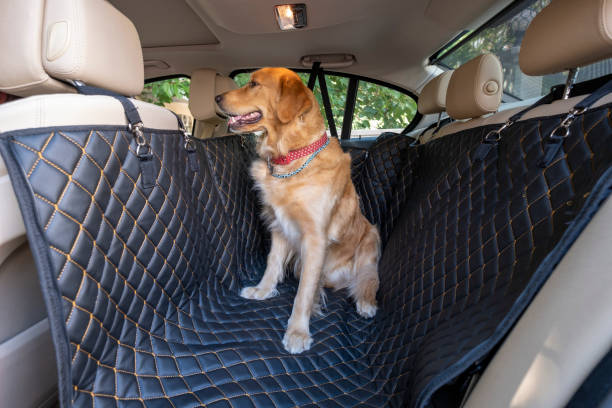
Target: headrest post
[(439, 119), (569, 83)]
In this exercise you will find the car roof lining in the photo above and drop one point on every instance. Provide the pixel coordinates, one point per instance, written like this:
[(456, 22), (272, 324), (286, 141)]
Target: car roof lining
[(386, 36)]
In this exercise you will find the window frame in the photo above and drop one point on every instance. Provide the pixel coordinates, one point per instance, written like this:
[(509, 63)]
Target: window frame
[(352, 78), (453, 44)]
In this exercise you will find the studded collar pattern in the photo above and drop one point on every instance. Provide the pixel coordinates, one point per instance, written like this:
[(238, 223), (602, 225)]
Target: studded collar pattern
[(301, 152)]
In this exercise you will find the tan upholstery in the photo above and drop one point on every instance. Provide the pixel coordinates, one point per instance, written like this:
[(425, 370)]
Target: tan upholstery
[(207, 83), (475, 88), (45, 42), (21, 68), (564, 332), (90, 41), (433, 96), (567, 34), (73, 110)]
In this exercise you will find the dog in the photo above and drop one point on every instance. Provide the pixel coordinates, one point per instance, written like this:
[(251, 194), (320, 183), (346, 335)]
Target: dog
[(309, 201)]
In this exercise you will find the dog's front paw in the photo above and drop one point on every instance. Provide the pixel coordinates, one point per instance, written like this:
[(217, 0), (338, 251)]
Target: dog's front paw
[(254, 292), (366, 309), (296, 341)]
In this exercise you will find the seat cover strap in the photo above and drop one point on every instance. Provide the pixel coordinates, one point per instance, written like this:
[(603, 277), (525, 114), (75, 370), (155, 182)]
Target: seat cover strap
[(491, 139), (553, 143), (143, 148)]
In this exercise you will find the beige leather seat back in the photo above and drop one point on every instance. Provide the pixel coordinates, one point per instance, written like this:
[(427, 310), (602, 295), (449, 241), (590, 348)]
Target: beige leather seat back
[(207, 83), (432, 100), (474, 90), (45, 44)]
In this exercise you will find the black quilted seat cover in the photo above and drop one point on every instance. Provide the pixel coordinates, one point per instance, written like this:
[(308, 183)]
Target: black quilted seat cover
[(142, 285)]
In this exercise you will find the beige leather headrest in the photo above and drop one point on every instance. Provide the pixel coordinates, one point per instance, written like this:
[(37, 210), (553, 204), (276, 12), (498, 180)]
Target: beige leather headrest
[(433, 96), (206, 83), (86, 40), (567, 34), (21, 68), (475, 88)]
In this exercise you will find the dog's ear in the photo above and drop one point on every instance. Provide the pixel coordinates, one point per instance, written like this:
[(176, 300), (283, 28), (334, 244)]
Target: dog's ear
[(293, 99)]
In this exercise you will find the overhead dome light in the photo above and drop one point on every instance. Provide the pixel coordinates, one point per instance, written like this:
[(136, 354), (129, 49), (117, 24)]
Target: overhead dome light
[(290, 16)]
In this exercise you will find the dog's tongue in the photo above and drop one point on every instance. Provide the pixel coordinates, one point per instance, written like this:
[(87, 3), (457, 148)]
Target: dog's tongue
[(244, 118)]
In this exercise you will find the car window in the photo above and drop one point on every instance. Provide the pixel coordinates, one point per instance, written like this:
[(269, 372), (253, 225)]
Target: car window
[(381, 109), (378, 108), (173, 94), (503, 38)]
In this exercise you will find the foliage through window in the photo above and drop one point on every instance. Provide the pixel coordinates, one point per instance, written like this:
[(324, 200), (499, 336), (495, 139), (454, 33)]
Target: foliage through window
[(504, 39), (377, 107), (172, 93)]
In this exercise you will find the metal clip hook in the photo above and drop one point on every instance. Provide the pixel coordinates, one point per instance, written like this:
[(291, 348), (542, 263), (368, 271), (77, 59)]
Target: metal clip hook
[(143, 149), (494, 136), (563, 129)]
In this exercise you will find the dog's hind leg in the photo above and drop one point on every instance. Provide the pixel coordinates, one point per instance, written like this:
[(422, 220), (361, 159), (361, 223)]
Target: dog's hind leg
[(275, 270), (364, 286)]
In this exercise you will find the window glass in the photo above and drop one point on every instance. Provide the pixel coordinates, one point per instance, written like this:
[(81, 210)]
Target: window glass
[(504, 39), (377, 107), (242, 78), (171, 93)]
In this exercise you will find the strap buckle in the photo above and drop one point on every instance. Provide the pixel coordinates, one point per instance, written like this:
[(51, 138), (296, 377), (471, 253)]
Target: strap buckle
[(563, 129), (494, 136), (143, 149), (189, 144)]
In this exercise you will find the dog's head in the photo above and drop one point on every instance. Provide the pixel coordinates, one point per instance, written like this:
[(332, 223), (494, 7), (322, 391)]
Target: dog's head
[(277, 102)]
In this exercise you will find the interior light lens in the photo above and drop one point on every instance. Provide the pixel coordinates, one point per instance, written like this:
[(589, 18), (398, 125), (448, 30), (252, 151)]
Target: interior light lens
[(290, 16)]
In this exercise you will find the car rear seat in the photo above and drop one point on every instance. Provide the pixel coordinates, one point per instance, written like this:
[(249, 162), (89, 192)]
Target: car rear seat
[(207, 83), (432, 100), (146, 280)]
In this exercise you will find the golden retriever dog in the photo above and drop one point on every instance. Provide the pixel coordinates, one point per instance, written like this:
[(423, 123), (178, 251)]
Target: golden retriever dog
[(310, 204)]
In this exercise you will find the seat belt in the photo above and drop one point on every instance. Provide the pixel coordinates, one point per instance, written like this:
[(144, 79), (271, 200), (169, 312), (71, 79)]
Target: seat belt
[(312, 79), (317, 73)]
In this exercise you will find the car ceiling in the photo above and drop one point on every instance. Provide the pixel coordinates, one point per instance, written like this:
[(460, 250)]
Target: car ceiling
[(390, 39)]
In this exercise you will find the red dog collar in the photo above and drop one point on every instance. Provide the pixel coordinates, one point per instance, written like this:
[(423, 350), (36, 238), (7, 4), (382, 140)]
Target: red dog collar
[(298, 153)]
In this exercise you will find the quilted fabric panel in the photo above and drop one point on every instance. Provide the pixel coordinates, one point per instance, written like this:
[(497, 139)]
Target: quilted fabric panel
[(382, 178), (149, 279)]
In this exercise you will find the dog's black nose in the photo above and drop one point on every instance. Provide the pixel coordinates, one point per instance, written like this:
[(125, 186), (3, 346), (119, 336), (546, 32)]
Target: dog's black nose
[(218, 98)]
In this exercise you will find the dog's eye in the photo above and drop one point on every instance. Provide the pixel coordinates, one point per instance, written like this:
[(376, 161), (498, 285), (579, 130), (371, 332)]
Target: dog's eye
[(253, 84)]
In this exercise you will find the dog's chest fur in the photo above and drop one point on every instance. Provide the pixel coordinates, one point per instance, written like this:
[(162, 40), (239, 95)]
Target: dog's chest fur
[(290, 205)]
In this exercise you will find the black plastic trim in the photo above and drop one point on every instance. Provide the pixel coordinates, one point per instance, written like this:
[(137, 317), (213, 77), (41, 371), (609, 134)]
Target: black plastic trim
[(349, 108), (327, 104)]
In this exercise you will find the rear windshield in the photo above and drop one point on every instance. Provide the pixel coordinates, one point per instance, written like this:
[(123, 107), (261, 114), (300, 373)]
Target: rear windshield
[(503, 38)]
